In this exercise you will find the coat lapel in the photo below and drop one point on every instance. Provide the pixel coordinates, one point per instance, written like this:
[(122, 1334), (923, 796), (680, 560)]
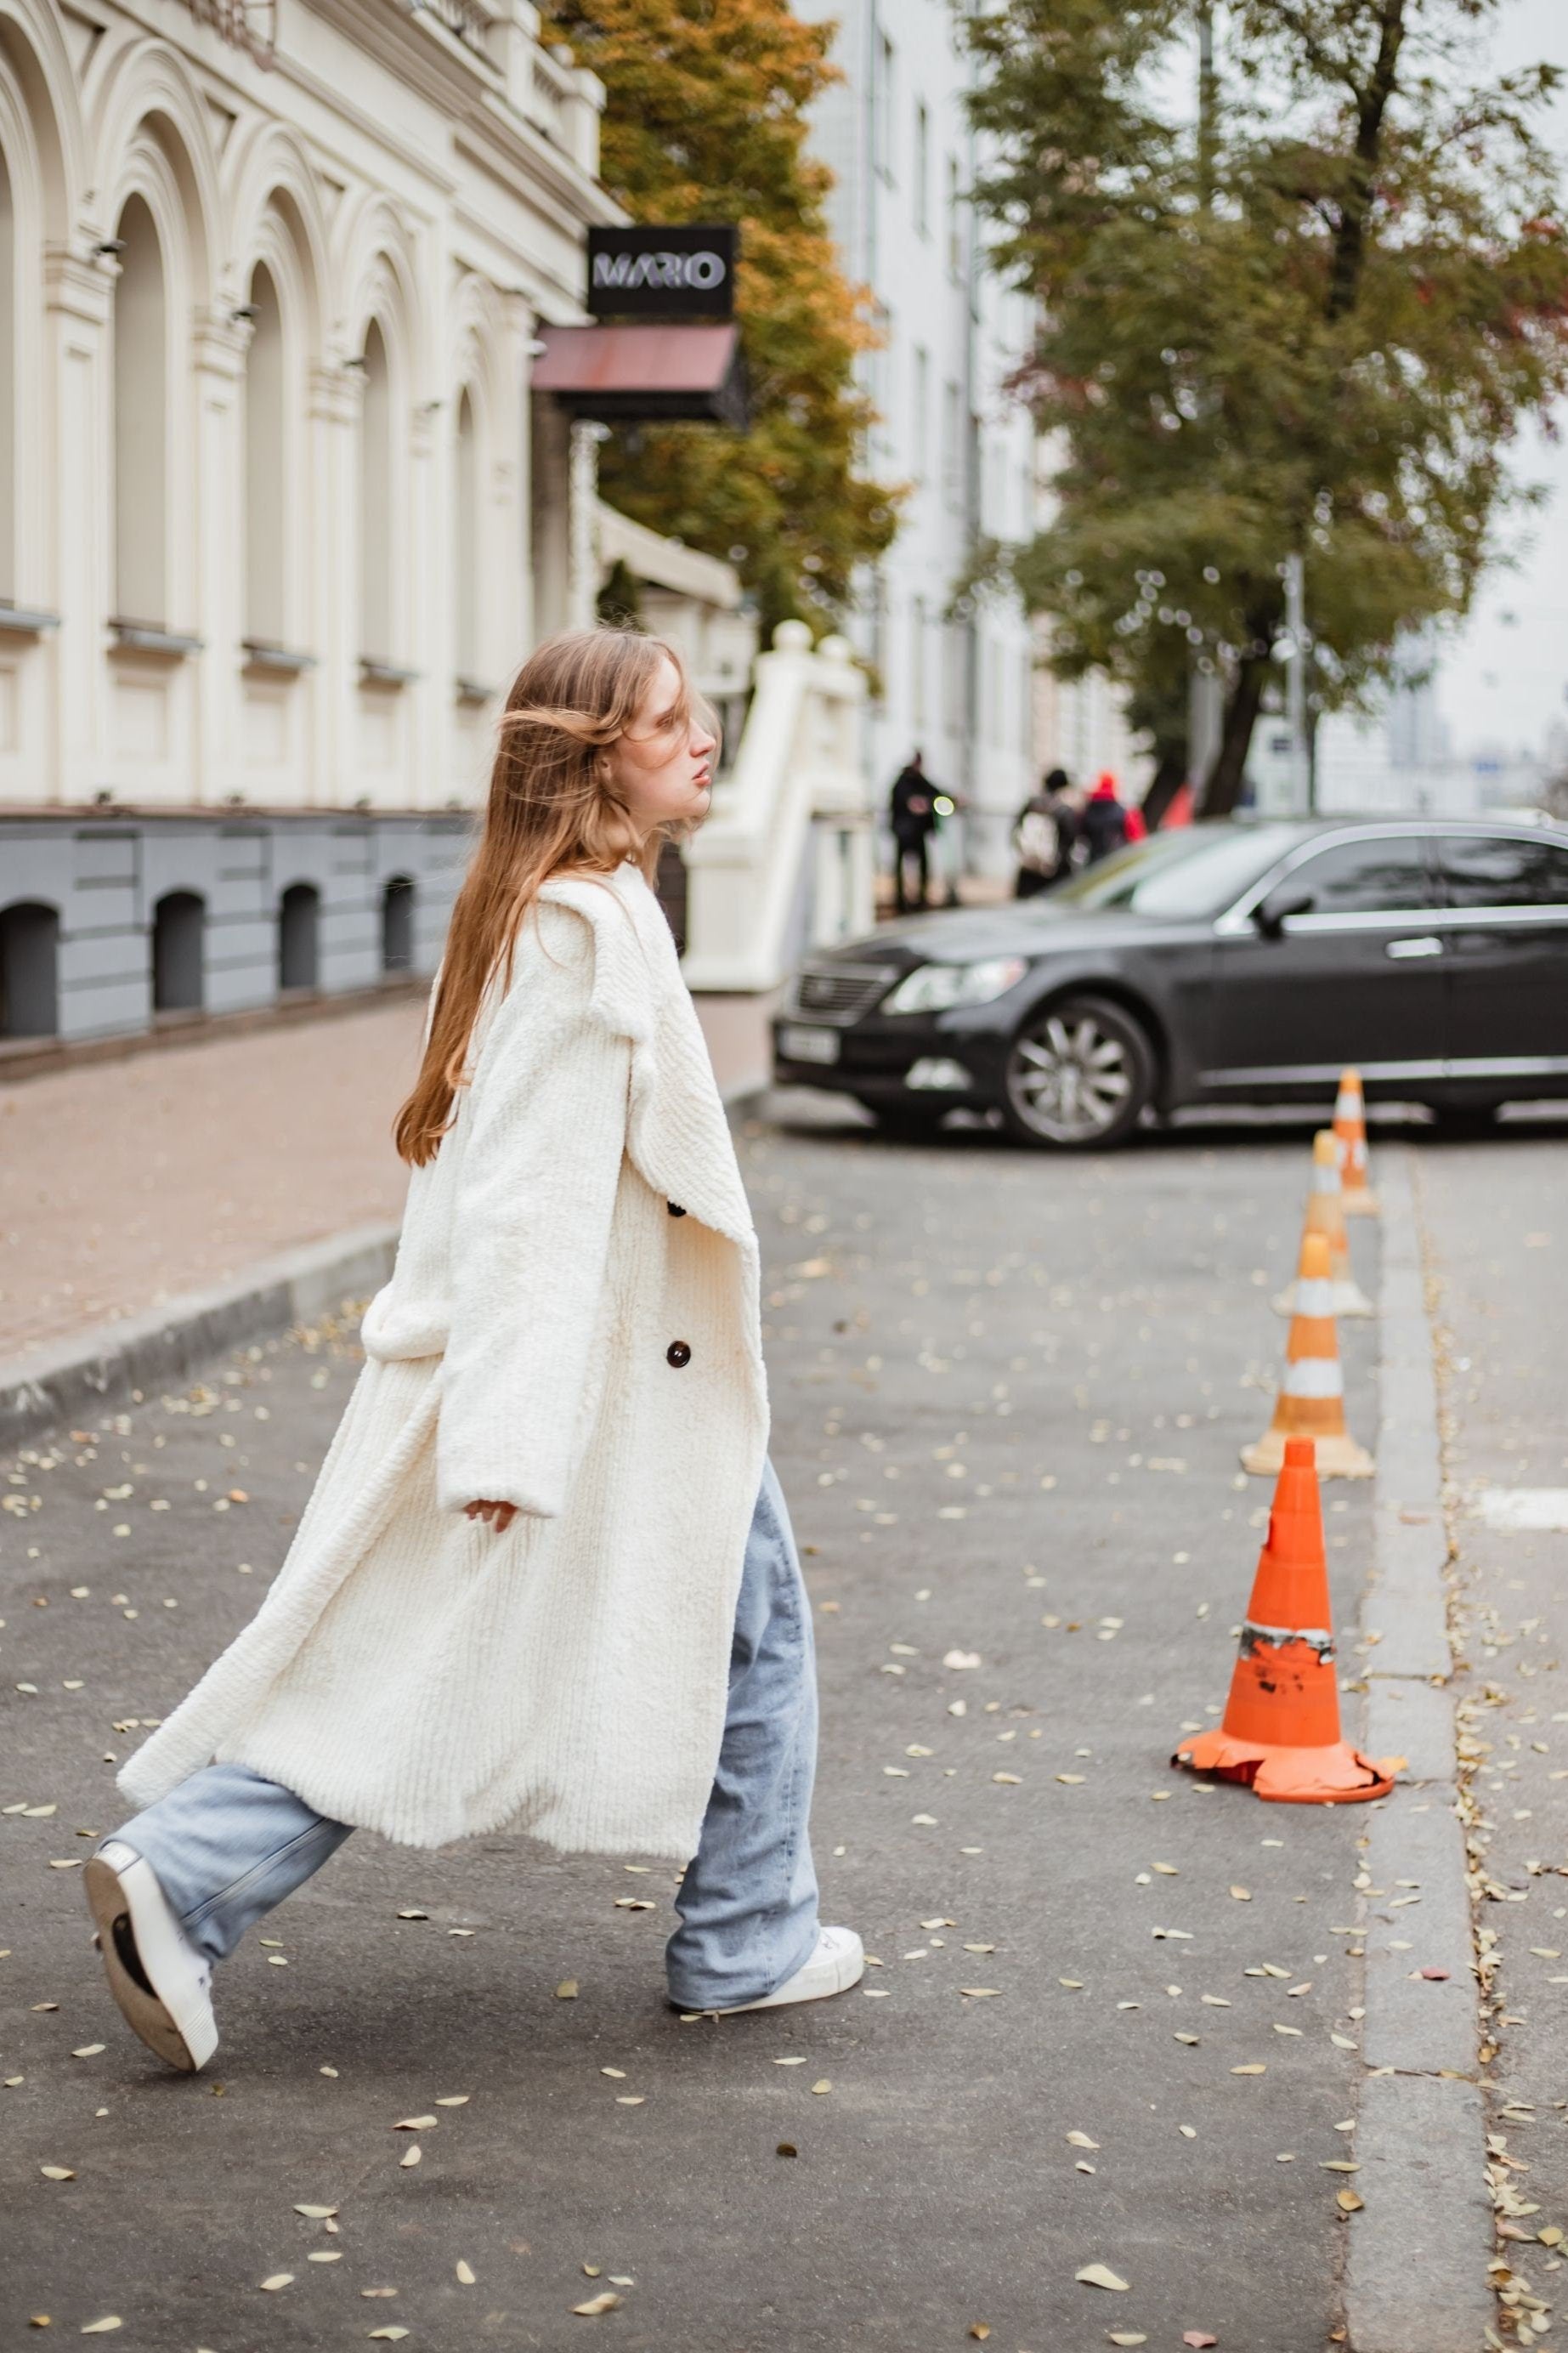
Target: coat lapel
[(678, 1134)]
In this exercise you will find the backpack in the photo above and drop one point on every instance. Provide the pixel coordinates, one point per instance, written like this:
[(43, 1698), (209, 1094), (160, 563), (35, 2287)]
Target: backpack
[(1037, 839)]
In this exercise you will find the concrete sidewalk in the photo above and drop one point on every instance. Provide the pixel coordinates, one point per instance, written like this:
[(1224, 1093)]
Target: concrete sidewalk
[(1009, 1395), (127, 1186)]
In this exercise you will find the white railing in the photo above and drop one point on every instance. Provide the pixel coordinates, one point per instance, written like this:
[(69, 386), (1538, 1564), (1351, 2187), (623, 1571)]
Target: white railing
[(786, 861)]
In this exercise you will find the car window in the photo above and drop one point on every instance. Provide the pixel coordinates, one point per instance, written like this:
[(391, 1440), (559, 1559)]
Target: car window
[(1387, 874), (1494, 870), (1191, 870)]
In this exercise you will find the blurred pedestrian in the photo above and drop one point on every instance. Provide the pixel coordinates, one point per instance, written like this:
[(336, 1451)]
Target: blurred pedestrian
[(1106, 824), (546, 1581), (911, 812), (1044, 836)]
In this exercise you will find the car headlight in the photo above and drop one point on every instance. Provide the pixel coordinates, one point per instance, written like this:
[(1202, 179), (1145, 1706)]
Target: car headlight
[(937, 988)]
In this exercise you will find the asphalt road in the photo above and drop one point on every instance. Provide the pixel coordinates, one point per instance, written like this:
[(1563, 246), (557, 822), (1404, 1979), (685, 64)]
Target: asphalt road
[(1009, 1392), (1496, 1238)]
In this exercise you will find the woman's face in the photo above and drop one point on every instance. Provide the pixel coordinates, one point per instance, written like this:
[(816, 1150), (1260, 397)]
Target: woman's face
[(664, 763)]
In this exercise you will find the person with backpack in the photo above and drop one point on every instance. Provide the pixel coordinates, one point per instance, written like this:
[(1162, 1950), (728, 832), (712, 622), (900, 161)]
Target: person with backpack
[(1108, 824), (1044, 836)]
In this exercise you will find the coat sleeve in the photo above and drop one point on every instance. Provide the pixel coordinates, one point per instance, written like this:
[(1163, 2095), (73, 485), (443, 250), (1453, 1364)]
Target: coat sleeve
[(530, 1233)]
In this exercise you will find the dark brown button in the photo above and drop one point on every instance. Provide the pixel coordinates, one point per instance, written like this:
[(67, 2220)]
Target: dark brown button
[(675, 1208), (677, 1354)]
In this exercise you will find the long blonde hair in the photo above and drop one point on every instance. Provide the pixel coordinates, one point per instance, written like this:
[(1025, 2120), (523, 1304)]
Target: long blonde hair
[(553, 804)]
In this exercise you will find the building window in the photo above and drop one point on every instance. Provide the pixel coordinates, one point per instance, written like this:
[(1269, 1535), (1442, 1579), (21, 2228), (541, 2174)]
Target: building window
[(29, 970), (953, 445), (375, 502), (882, 96), (466, 544), (921, 170), (954, 220), (265, 489), (299, 931), (920, 413), (179, 940), (397, 926), (8, 390), (140, 411)]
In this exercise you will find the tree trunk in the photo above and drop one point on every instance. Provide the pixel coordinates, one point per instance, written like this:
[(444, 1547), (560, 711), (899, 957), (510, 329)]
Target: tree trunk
[(1222, 792), (1170, 775)]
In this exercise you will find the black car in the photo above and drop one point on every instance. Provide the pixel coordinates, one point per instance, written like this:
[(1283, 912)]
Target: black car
[(1223, 963)]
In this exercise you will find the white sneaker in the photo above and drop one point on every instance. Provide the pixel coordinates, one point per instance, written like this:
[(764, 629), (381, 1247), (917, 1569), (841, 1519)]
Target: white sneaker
[(163, 1986), (839, 1963)]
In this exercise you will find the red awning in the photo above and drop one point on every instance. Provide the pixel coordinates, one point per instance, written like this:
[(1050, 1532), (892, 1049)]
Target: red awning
[(633, 373)]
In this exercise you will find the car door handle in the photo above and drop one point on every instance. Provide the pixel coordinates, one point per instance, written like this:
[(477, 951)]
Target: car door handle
[(1427, 945)]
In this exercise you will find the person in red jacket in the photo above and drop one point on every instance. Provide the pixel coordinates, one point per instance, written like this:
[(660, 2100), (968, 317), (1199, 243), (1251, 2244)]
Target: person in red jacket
[(1106, 824)]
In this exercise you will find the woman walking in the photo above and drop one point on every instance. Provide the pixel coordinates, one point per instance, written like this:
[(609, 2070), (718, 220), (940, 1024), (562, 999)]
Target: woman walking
[(546, 1581)]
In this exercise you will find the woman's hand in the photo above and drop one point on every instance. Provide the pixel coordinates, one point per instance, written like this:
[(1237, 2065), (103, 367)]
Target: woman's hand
[(499, 1516)]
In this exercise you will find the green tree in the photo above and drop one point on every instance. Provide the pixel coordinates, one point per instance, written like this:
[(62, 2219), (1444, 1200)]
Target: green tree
[(706, 120), (1309, 321)]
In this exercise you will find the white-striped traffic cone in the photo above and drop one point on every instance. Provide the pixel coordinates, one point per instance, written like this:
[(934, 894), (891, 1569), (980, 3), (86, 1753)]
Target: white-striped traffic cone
[(1357, 1199), (1311, 1399), (1325, 1216)]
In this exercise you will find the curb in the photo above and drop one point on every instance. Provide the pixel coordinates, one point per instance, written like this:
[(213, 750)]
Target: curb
[(86, 1371), (1417, 2269), (90, 1370)]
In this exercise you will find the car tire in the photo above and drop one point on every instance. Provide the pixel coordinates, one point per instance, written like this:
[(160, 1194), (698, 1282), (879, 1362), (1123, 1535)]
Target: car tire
[(1079, 1074)]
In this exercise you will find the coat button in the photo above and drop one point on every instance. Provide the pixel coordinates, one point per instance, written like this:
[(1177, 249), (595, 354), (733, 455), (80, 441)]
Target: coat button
[(675, 1208), (677, 1354)]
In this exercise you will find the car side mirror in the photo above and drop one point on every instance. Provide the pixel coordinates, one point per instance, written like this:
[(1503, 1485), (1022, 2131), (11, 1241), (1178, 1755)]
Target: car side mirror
[(1272, 915)]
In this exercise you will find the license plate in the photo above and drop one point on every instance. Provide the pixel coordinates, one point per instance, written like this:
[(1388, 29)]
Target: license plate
[(808, 1045)]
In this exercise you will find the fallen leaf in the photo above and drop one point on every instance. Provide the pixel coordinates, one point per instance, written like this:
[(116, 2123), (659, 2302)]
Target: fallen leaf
[(1098, 2275), (315, 2213), (567, 1989), (1437, 1975), (959, 1659), (980, 2328), (412, 1913), (1016, 1781), (1198, 2336), (1167, 1870), (57, 2173), (786, 2148), (1081, 2140), (1073, 1780), (1348, 2202), (277, 2280), (414, 2123), (1338, 2165), (1254, 2067), (411, 2155), (392, 2335), (630, 2099), (465, 2272), (606, 2302), (88, 2050), (325, 2256), (1125, 2337), (980, 1993), (105, 2327), (1242, 1894), (455, 2100), (789, 2063), (824, 2085)]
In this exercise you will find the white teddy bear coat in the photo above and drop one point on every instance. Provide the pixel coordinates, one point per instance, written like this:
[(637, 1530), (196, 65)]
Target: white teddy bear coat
[(554, 1335)]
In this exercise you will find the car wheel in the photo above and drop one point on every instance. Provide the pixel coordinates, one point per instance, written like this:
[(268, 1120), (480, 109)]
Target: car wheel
[(1079, 1073)]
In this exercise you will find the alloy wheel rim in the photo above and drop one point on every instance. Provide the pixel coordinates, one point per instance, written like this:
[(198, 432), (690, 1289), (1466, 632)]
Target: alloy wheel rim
[(1070, 1079)]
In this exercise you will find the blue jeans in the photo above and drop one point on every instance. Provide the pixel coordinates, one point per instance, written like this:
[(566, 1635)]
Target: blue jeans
[(227, 1845)]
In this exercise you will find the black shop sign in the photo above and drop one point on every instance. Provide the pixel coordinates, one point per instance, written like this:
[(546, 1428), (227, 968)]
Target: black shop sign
[(662, 273)]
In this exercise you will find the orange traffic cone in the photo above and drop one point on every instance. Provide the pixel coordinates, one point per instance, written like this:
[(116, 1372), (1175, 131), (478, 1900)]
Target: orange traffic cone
[(1325, 1216), (1311, 1399), (1357, 1199), (1281, 1725)]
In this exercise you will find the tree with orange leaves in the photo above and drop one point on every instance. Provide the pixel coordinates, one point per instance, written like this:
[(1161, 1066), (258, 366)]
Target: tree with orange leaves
[(706, 120)]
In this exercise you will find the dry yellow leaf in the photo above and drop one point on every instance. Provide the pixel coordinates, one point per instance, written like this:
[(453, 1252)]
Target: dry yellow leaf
[(325, 2256), (277, 2280), (104, 2327), (1242, 1894), (1099, 2275), (414, 2123), (88, 2050), (1338, 2165), (567, 1989), (1348, 2202), (825, 2084), (630, 2099), (980, 2328), (1254, 2067), (455, 2100), (1081, 2140), (1125, 2337), (1072, 1779), (411, 2155), (315, 2213), (57, 2173), (620, 2073), (606, 2302), (980, 1993), (465, 2272), (393, 2335)]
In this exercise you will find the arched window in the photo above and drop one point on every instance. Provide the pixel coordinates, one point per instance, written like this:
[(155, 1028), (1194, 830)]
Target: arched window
[(29, 970), (8, 390), (265, 498), (299, 928), (466, 544), (397, 926), (376, 503), (179, 940), (140, 414)]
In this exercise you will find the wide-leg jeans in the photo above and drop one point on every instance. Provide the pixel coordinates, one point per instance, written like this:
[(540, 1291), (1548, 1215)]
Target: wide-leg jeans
[(227, 1845)]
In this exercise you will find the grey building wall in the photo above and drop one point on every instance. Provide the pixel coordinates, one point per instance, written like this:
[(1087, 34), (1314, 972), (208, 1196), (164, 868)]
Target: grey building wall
[(104, 878)]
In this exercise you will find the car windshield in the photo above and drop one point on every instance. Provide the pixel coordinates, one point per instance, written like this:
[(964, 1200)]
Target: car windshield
[(1195, 871)]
